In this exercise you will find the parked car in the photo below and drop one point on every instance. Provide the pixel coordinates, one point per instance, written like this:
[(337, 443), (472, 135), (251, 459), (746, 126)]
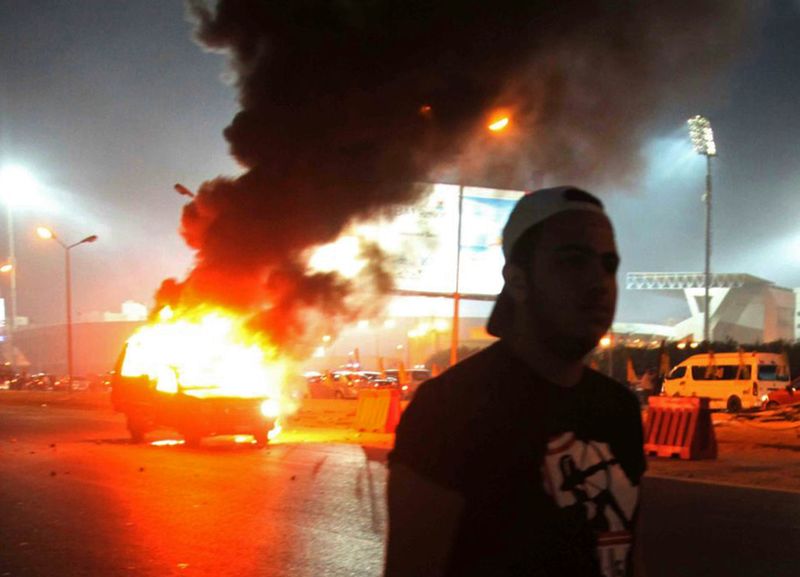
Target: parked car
[(789, 395), (346, 384), (78, 384), (335, 384), (414, 378), (40, 382), (316, 385), (378, 380)]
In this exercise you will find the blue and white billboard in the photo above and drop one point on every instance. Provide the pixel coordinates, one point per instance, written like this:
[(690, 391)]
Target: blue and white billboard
[(422, 240)]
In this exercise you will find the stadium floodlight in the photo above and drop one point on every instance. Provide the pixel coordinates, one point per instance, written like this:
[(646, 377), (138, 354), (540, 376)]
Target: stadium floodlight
[(702, 136)]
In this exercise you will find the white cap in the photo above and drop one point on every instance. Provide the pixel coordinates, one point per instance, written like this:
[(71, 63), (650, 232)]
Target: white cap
[(529, 211), (540, 205)]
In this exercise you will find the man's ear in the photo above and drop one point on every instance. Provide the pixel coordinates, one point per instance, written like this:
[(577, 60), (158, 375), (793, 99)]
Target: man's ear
[(516, 282)]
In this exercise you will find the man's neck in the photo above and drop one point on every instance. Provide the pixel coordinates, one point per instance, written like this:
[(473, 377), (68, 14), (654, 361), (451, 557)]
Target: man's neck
[(545, 362)]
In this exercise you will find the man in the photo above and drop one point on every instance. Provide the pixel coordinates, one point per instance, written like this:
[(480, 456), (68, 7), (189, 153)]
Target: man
[(521, 460)]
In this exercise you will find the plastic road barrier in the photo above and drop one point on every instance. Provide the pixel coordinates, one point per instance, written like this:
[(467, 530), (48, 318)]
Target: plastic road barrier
[(378, 411), (680, 427)]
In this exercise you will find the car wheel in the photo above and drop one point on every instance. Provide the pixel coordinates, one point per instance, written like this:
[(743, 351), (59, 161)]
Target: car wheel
[(137, 427), (734, 404), (261, 438), (192, 438), (338, 395), (772, 405)]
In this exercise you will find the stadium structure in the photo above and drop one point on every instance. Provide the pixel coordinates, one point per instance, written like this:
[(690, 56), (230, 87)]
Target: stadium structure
[(742, 307)]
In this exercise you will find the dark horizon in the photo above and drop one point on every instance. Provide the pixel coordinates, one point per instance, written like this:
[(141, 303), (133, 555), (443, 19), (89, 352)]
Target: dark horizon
[(110, 116)]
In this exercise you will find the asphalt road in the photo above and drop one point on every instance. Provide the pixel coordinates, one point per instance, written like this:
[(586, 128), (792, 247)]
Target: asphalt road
[(700, 529), (77, 499)]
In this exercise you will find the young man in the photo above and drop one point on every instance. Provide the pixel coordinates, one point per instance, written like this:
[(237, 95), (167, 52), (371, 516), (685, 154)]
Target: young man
[(522, 461)]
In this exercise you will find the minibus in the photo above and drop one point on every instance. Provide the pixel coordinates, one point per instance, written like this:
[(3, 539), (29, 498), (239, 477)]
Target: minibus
[(732, 381)]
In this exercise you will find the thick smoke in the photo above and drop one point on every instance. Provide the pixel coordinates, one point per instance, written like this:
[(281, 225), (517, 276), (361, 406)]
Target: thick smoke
[(346, 104)]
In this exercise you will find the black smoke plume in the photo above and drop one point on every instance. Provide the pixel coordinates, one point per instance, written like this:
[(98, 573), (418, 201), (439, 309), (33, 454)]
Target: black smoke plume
[(345, 104)]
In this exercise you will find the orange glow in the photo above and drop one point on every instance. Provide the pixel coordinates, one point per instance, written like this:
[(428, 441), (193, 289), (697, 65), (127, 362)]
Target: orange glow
[(207, 352), (44, 232), (6, 268), (342, 256), (499, 124), (426, 328), (271, 409), (167, 443)]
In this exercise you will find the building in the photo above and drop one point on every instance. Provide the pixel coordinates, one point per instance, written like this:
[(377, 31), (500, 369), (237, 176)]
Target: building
[(797, 314), (95, 346), (742, 307), (97, 340)]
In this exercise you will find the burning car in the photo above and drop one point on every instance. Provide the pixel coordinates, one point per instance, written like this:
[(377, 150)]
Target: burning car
[(201, 375)]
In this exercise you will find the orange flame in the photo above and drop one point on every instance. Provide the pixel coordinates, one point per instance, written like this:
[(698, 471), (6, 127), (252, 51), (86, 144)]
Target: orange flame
[(205, 352)]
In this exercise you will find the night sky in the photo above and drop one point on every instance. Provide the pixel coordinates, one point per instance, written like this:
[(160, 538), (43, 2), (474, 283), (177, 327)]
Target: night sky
[(111, 103)]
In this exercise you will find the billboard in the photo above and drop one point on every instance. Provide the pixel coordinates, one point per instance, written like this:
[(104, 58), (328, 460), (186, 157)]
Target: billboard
[(422, 240)]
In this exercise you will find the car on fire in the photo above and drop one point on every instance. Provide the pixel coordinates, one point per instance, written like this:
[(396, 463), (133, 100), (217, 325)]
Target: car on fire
[(150, 402)]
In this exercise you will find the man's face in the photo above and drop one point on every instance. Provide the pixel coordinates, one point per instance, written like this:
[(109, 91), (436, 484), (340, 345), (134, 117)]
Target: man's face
[(569, 291)]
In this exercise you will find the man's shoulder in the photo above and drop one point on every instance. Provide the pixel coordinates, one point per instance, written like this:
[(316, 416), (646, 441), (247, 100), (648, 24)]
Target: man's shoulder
[(610, 390), (474, 372), (599, 379)]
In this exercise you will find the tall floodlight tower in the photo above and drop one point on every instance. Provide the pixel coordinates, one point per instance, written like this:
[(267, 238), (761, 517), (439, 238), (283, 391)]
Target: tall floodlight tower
[(703, 141)]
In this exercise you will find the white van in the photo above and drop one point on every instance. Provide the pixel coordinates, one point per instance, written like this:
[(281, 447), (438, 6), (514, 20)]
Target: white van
[(732, 381)]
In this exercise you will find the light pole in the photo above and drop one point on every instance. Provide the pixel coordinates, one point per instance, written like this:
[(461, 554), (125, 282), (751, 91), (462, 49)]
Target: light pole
[(703, 141), (48, 234), (498, 123), (454, 335)]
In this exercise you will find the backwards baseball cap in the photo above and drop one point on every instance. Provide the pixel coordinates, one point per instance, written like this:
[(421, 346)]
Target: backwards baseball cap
[(530, 210)]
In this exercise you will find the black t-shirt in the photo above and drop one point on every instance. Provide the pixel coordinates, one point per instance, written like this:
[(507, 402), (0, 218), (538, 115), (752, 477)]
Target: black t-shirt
[(549, 474)]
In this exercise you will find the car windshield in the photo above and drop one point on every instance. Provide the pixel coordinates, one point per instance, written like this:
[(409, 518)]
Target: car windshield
[(772, 373), (677, 373)]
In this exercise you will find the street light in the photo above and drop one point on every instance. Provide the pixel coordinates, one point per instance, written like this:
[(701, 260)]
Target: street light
[(15, 183), (607, 343), (498, 123), (703, 141), (183, 191), (48, 234)]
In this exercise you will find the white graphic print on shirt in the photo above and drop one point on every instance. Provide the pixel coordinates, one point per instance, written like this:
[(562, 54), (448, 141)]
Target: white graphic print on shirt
[(585, 474)]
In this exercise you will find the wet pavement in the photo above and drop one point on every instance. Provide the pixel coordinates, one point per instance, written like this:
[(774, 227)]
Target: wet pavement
[(77, 499)]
